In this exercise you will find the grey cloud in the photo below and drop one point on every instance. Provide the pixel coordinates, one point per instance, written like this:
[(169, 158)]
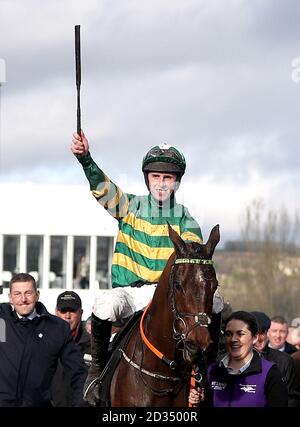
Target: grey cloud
[(214, 80)]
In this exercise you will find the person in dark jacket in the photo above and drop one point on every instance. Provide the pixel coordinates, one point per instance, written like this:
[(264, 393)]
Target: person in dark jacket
[(282, 359), (278, 333), (242, 378), (69, 308), (35, 342), (296, 359)]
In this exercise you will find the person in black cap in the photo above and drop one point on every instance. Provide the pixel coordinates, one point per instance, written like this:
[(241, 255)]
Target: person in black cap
[(69, 308), (282, 359), (264, 323)]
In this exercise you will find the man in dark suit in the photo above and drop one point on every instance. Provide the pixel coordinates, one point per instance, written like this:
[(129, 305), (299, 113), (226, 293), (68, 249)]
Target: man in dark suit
[(278, 333), (282, 359), (35, 341)]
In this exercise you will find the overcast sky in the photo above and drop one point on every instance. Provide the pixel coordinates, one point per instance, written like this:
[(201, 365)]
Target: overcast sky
[(218, 79)]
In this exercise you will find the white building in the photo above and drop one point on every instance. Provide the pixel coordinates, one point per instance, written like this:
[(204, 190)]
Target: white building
[(45, 230)]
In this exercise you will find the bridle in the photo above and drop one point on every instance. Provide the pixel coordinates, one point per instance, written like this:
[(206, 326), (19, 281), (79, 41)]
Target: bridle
[(201, 319)]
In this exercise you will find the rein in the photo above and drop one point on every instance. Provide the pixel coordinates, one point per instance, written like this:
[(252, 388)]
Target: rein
[(170, 363)]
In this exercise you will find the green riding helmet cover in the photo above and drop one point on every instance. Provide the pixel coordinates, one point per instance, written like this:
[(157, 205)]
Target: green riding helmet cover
[(163, 158)]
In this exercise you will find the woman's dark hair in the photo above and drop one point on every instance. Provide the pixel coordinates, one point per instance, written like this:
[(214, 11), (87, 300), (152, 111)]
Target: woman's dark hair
[(246, 317)]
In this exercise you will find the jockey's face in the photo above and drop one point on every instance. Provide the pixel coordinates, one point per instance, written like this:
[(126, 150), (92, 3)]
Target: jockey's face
[(161, 185)]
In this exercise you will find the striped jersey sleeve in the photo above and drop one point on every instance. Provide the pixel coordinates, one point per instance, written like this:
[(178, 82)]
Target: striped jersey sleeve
[(108, 194)]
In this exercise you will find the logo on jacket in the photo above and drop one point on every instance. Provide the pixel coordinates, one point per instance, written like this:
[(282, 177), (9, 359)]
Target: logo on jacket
[(216, 385), (248, 388)]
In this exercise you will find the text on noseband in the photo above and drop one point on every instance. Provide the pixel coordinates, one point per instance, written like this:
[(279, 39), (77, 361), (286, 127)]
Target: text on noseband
[(193, 261)]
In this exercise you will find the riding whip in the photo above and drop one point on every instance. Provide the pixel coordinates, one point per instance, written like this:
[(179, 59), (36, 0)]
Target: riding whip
[(78, 75)]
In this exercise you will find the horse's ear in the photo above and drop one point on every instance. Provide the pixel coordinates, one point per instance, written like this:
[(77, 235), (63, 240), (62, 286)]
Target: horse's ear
[(213, 240), (178, 243)]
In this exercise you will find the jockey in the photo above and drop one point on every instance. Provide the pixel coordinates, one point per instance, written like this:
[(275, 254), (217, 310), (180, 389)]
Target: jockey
[(143, 246)]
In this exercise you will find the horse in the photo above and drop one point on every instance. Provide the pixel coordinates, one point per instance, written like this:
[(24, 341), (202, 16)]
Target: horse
[(172, 335)]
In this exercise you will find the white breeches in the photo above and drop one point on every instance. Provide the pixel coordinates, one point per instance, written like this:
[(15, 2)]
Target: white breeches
[(118, 303)]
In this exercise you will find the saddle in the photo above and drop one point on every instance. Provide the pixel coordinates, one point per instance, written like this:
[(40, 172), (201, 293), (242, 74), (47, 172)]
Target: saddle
[(119, 342)]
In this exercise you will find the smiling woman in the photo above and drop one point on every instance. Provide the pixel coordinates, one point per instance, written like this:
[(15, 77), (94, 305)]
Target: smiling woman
[(242, 378), (240, 337)]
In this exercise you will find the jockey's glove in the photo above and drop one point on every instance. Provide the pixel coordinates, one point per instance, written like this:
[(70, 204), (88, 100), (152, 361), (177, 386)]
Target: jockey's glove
[(140, 283)]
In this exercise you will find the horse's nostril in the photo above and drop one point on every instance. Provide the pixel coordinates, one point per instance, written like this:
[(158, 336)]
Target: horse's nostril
[(192, 347), (192, 352)]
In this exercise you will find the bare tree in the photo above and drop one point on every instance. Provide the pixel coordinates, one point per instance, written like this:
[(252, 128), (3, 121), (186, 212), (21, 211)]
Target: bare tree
[(266, 275)]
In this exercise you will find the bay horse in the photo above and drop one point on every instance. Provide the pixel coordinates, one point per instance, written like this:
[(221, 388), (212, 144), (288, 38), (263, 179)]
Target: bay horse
[(173, 335)]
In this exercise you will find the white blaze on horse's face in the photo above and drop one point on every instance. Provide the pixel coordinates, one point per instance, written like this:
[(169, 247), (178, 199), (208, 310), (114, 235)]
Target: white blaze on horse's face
[(161, 185)]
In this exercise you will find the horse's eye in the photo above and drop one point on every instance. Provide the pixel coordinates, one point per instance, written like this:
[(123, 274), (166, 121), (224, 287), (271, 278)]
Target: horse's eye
[(177, 286)]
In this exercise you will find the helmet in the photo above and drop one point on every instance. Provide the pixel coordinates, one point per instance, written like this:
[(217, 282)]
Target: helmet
[(164, 158)]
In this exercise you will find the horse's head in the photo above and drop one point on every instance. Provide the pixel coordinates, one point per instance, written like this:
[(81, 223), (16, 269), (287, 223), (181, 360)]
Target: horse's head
[(193, 283)]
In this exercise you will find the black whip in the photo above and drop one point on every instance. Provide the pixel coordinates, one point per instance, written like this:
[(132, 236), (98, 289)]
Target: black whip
[(78, 75)]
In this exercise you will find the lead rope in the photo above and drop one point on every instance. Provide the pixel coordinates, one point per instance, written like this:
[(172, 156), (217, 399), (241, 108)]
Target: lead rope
[(196, 377), (192, 385)]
